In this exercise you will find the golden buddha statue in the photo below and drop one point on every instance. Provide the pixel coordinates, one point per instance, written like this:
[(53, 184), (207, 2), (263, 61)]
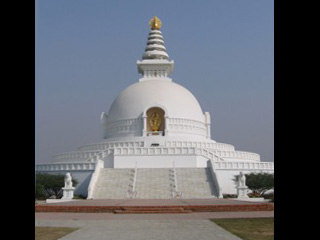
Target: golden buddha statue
[(155, 121)]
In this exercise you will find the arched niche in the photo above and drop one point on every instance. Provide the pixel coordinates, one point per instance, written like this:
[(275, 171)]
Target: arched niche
[(155, 121)]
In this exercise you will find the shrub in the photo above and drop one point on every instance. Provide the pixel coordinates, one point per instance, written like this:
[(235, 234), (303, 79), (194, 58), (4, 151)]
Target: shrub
[(269, 196), (79, 197), (49, 186), (229, 195), (254, 195)]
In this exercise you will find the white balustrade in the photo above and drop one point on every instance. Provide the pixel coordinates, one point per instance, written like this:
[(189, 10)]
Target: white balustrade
[(79, 155), (65, 167), (211, 146), (109, 145), (218, 155), (244, 165), (154, 151), (91, 154)]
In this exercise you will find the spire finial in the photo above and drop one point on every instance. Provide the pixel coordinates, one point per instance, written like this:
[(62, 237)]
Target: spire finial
[(155, 62), (155, 23)]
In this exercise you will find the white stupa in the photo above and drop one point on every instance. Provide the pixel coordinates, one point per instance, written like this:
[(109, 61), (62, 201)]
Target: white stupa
[(156, 142)]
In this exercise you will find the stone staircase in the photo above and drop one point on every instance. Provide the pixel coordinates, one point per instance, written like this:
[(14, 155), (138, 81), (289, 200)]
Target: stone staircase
[(113, 184), (154, 183), (195, 183)]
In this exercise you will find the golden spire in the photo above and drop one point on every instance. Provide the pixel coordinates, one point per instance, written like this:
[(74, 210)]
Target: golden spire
[(155, 23)]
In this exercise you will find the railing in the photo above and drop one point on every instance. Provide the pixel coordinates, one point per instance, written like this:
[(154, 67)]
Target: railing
[(100, 155), (215, 179), (237, 154), (186, 150), (65, 167), (132, 190), (169, 151), (244, 165), (153, 151), (175, 193), (94, 151), (107, 145), (209, 154), (91, 156), (84, 155), (135, 177), (94, 178), (199, 144), (119, 144), (212, 159), (172, 147), (229, 154)]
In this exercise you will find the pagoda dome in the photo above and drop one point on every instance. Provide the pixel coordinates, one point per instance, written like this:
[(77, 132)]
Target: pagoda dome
[(175, 100), (155, 105)]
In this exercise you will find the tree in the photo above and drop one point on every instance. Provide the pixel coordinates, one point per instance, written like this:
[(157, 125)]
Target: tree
[(260, 182), (48, 185)]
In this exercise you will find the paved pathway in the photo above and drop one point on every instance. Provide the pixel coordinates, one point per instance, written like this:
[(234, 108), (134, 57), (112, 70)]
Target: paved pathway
[(109, 226), (183, 216), (141, 230)]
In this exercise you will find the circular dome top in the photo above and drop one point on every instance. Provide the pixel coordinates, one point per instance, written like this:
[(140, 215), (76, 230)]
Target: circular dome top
[(175, 100)]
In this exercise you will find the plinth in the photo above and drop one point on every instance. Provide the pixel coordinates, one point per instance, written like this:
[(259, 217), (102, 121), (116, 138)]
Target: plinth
[(67, 193), (242, 192)]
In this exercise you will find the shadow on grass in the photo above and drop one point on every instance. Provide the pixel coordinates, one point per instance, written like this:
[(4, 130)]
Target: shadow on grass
[(249, 228), (52, 233)]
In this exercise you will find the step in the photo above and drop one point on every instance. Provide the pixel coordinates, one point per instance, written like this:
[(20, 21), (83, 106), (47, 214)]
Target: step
[(112, 184), (195, 183), (234, 207), (150, 210), (153, 184)]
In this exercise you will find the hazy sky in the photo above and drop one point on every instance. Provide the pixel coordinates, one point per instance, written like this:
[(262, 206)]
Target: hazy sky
[(86, 53)]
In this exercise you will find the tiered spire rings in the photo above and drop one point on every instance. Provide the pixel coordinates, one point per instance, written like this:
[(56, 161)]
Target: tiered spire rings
[(155, 45)]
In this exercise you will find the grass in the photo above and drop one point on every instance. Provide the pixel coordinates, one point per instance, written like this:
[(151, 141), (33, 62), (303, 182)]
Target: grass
[(52, 233), (249, 228)]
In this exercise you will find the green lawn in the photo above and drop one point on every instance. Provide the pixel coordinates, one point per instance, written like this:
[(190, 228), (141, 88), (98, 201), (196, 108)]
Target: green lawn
[(249, 228), (52, 233)]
